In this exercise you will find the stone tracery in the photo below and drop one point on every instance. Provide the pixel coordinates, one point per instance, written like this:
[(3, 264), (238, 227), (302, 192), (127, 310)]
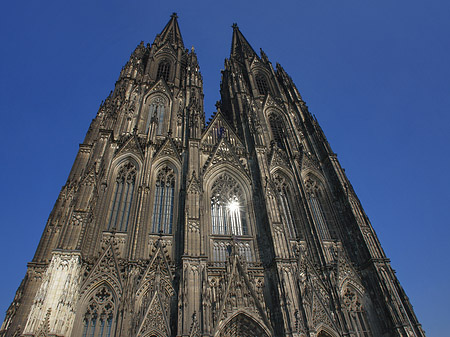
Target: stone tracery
[(122, 197), (163, 201), (99, 316), (228, 207)]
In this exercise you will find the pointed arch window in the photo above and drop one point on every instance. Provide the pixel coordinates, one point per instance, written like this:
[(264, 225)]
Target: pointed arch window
[(163, 70), (156, 112), (356, 315), (261, 83), (99, 316), (163, 202), (286, 200), (227, 207), (318, 215), (122, 198), (277, 127), (315, 200)]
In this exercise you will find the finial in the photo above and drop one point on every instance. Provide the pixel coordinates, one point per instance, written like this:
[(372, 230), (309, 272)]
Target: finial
[(174, 15), (235, 26), (263, 55)]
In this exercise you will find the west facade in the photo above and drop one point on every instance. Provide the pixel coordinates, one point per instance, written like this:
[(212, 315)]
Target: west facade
[(244, 226)]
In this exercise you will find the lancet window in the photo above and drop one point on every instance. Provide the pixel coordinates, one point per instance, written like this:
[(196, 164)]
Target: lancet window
[(163, 70), (122, 197), (99, 316), (164, 200), (355, 313), (261, 83), (228, 207), (316, 200), (156, 112), (277, 127), (286, 202)]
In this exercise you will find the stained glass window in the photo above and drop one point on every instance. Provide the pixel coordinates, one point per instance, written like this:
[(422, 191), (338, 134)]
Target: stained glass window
[(286, 203), (228, 207), (122, 198), (355, 313), (163, 70), (277, 127), (261, 83), (163, 201), (99, 315)]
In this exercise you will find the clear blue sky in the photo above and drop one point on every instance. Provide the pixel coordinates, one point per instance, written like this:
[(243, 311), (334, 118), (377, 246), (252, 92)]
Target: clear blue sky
[(375, 73)]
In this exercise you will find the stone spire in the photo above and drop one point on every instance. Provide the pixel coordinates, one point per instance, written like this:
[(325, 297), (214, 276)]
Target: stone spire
[(239, 44), (171, 33)]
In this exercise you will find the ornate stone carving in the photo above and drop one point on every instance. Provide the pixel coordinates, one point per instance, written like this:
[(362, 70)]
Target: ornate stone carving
[(105, 269), (155, 320), (195, 328), (155, 292), (309, 162), (130, 144), (320, 315), (277, 158), (169, 149), (224, 153), (235, 291), (57, 296)]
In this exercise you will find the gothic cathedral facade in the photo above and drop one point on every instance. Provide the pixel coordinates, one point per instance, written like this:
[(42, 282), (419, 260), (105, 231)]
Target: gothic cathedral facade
[(242, 226)]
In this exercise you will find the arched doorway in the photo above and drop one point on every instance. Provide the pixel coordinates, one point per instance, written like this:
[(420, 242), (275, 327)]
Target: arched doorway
[(242, 325)]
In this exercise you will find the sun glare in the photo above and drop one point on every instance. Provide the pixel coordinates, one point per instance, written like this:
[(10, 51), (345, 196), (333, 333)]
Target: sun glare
[(233, 206)]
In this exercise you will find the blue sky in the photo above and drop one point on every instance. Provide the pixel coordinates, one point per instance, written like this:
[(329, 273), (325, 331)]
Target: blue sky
[(376, 75)]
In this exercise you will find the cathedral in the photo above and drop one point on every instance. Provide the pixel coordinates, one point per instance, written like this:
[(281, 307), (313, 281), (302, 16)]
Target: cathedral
[(245, 225)]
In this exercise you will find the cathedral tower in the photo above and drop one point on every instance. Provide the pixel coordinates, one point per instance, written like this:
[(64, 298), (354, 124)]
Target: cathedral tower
[(246, 226)]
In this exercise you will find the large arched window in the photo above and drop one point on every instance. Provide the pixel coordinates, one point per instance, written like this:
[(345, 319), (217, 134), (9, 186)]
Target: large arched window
[(277, 127), (316, 199), (122, 197), (356, 316), (156, 112), (228, 207), (99, 315), (163, 201), (229, 227), (261, 83), (286, 200), (163, 70)]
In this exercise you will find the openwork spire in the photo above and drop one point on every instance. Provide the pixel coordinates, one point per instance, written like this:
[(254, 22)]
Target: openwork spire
[(239, 44), (171, 33)]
